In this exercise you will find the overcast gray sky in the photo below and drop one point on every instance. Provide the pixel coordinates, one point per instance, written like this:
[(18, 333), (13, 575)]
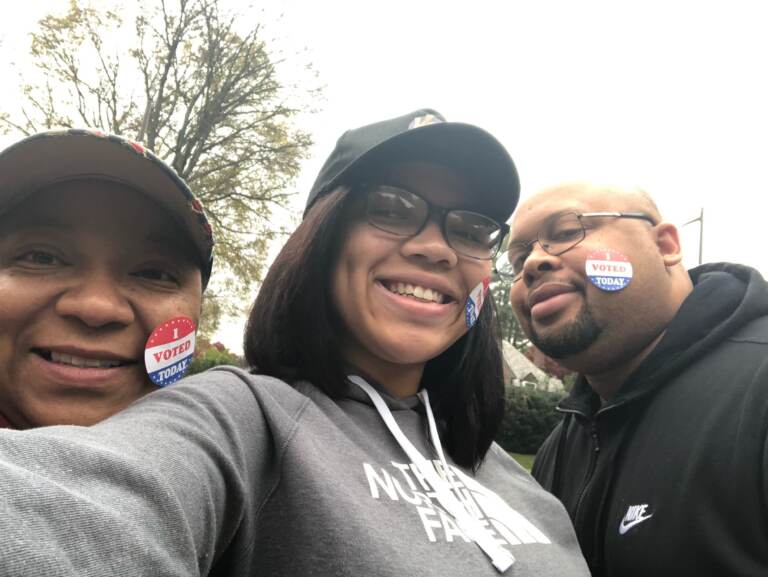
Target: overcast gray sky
[(668, 95)]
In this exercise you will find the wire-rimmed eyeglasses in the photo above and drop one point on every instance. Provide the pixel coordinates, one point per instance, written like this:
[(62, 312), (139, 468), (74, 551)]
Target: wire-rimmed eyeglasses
[(559, 234)]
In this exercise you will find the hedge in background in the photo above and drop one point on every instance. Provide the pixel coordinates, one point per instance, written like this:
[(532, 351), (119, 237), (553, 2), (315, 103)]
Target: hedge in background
[(529, 417), (213, 357)]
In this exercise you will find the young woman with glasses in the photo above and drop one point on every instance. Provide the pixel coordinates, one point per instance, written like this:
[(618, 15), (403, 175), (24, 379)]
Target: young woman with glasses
[(362, 441)]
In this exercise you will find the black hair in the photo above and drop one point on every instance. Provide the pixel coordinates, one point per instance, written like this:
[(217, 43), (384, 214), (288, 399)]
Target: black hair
[(294, 333)]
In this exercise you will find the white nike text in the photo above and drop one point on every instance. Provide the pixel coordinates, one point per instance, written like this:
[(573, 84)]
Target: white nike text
[(634, 516)]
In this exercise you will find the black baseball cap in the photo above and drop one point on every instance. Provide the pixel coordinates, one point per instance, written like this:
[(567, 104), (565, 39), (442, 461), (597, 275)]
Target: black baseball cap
[(425, 135), (55, 156)]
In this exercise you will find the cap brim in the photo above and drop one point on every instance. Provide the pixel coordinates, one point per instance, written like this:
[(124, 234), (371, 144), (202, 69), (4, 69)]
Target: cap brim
[(47, 158), (468, 149)]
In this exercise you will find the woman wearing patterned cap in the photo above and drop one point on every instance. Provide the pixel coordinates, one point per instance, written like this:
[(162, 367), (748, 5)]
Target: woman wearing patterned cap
[(100, 242), (362, 443)]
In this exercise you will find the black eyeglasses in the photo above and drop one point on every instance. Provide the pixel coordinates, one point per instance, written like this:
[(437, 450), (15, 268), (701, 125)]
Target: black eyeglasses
[(405, 213), (558, 235)]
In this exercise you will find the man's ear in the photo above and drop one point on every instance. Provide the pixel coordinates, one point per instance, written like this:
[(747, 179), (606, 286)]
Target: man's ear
[(668, 241)]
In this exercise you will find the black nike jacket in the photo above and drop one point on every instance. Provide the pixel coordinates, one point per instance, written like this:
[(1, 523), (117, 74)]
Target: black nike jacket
[(670, 478)]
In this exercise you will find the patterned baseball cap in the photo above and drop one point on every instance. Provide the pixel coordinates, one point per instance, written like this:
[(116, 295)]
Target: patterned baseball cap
[(425, 135), (55, 156)]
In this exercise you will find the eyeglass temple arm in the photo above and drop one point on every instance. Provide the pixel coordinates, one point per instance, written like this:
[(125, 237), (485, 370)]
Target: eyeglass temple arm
[(638, 215)]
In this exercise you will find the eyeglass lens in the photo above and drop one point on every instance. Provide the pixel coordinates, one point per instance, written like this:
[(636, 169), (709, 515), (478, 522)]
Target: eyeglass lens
[(556, 237), (404, 213)]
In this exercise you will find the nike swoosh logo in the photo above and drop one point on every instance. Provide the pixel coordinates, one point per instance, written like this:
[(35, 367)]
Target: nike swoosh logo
[(624, 526)]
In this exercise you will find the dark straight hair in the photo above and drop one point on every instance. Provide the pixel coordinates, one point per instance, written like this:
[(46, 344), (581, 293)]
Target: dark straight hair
[(294, 333)]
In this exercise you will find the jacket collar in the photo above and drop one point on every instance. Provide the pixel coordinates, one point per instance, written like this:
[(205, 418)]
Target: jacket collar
[(725, 297)]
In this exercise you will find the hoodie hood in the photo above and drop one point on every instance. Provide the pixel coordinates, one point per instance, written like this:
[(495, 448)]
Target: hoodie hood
[(725, 297), (353, 392)]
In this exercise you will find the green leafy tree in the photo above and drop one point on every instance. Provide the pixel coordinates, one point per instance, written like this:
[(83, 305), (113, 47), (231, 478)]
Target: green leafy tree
[(202, 95), (209, 355), (510, 329)]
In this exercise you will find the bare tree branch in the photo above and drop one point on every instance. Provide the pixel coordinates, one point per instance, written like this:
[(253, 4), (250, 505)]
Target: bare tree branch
[(203, 97)]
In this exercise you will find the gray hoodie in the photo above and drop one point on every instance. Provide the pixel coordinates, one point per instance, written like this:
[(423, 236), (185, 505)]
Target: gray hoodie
[(228, 473)]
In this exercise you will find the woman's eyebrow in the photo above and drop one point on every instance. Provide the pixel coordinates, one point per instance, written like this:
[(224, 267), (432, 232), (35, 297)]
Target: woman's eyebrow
[(169, 242)]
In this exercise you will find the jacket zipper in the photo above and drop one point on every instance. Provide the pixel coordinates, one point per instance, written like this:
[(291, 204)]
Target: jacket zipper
[(591, 468), (593, 431)]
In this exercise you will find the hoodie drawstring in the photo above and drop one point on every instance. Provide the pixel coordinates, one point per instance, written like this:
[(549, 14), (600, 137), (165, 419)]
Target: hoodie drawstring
[(471, 527)]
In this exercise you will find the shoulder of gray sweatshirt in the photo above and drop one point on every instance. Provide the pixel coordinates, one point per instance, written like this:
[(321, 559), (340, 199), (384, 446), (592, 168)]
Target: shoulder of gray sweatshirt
[(228, 473)]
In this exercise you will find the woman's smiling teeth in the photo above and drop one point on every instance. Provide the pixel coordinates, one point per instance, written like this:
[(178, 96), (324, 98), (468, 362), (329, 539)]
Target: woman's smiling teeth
[(75, 361), (416, 291)]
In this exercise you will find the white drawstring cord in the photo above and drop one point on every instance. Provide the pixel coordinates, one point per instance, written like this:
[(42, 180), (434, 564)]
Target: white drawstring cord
[(471, 527)]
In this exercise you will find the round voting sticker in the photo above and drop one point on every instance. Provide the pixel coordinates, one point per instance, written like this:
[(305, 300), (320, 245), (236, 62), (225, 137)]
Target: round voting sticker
[(609, 270), (169, 349), (475, 302)]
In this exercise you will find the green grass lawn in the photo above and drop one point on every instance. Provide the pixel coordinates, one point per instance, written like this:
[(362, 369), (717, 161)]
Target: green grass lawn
[(525, 460)]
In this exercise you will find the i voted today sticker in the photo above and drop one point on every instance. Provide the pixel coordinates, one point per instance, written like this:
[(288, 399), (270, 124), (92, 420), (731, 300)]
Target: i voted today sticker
[(169, 349), (609, 270), (475, 302)]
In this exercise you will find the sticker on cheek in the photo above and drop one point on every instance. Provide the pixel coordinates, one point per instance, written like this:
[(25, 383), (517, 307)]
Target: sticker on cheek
[(169, 349), (475, 302), (609, 270)]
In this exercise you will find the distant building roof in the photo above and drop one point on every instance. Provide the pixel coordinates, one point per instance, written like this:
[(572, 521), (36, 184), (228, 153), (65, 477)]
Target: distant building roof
[(521, 369)]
